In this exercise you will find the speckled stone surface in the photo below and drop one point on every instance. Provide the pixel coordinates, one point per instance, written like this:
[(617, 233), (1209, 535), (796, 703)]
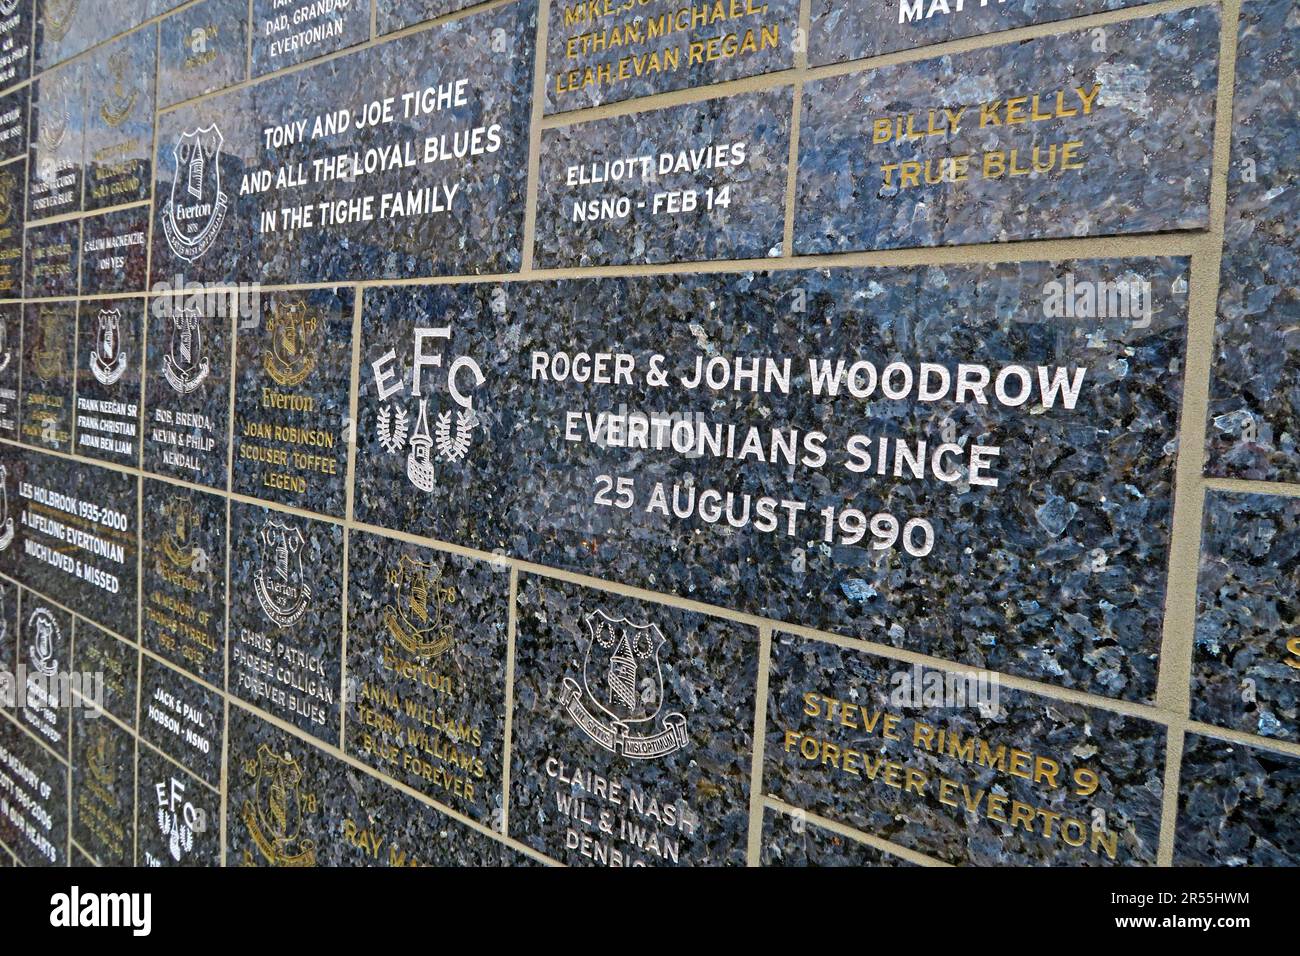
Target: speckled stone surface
[(96, 651), (287, 32), (52, 259), (103, 789), (632, 730), (1143, 127), (10, 634), (426, 670), (392, 15), (292, 377), (850, 738), (611, 51), (1246, 669), (93, 571), (109, 358), (477, 230), (16, 43), (44, 649), (181, 718), (13, 125), (179, 819), (49, 367), (65, 28), (1058, 573), (183, 578), (286, 625), (851, 29), (11, 332), (1237, 806), (58, 128), (691, 182), (12, 191), (791, 840), (327, 813), (119, 120), (38, 784), (187, 390), (114, 247), (202, 49), (1254, 413)]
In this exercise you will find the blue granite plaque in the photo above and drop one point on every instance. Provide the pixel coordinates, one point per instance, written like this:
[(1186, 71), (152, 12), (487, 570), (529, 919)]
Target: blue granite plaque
[(286, 32), (182, 718), (12, 190), (109, 356), (119, 120), (53, 254), (179, 817), (44, 650), (15, 41), (201, 49), (58, 128), (35, 827), (49, 337), (114, 250), (103, 789), (11, 337), (115, 661), (13, 122), (789, 839)]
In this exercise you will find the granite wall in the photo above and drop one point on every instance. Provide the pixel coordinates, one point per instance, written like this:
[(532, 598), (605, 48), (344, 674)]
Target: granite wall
[(621, 432)]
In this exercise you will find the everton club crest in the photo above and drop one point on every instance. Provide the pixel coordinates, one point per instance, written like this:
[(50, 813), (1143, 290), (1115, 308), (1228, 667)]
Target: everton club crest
[(186, 365), (622, 680), (274, 816), (45, 634), (415, 617), (47, 359), (291, 355), (6, 519), (279, 583), (108, 361), (7, 184), (120, 101), (193, 215), (5, 352), (178, 538), (58, 17), (101, 756)]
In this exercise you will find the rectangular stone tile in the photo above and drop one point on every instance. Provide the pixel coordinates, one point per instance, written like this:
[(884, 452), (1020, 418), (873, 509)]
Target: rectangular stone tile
[(109, 356), (1048, 138), (333, 814), (426, 670), (11, 337), (187, 388), (16, 42), (791, 840), (58, 131), (1254, 415), (983, 776), (181, 718), (1236, 805), (33, 800), (103, 789), (1246, 668), (202, 49), (393, 15), (420, 169), (293, 377), (114, 249), (851, 29), (119, 120), (116, 664), (44, 651), (708, 183), (75, 535), (1021, 526), (53, 256), (606, 52), (286, 32), (48, 373), (13, 188), (179, 818), (632, 733), (68, 27), (286, 616), (183, 582), (13, 138)]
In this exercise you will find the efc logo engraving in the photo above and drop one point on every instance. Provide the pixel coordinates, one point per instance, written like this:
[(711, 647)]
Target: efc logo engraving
[(127, 910), (178, 819), (186, 365), (274, 816), (196, 209), (108, 361), (279, 583), (453, 430), (622, 677)]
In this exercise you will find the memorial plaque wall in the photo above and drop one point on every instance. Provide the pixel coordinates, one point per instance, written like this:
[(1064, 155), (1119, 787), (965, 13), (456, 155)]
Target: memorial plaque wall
[(626, 433)]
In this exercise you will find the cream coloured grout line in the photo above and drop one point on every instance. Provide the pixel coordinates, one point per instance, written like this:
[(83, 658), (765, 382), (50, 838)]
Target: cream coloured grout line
[(857, 836), (1169, 796), (248, 56), (507, 732), (45, 744), (1284, 489), (82, 214), (754, 847), (537, 108), (189, 771), (800, 56), (374, 19), (79, 847)]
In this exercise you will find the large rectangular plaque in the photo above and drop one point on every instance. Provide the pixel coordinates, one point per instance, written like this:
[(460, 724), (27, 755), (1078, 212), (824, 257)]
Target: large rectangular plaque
[(633, 730), (1049, 138), (33, 800), (987, 776), (336, 815), (708, 183), (1254, 413), (426, 670), (49, 367), (286, 625), (286, 32), (967, 461), (611, 50), (405, 159), (109, 355)]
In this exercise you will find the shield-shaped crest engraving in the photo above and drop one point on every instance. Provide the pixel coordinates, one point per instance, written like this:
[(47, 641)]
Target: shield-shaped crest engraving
[(281, 588), (47, 360), (197, 207), (621, 670), (44, 630), (185, 366), (290, 355), (278, 808), (108, 361)]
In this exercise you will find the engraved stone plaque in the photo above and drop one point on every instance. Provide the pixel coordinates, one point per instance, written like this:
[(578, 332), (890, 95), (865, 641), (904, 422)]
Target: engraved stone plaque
[(114, 247), (181, 718), (179, 817), (35, 784), (286, 32), (119, 120), (44, 651), (103, 789), (49, 337), (115, 661), (58, 126), (109, 356), (53, 256), (201, 49), (11, 336), (12, 179)]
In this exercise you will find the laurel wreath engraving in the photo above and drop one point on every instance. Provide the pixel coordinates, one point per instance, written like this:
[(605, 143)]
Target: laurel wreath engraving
[(392, 433), (453, 448), (182, 837)]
